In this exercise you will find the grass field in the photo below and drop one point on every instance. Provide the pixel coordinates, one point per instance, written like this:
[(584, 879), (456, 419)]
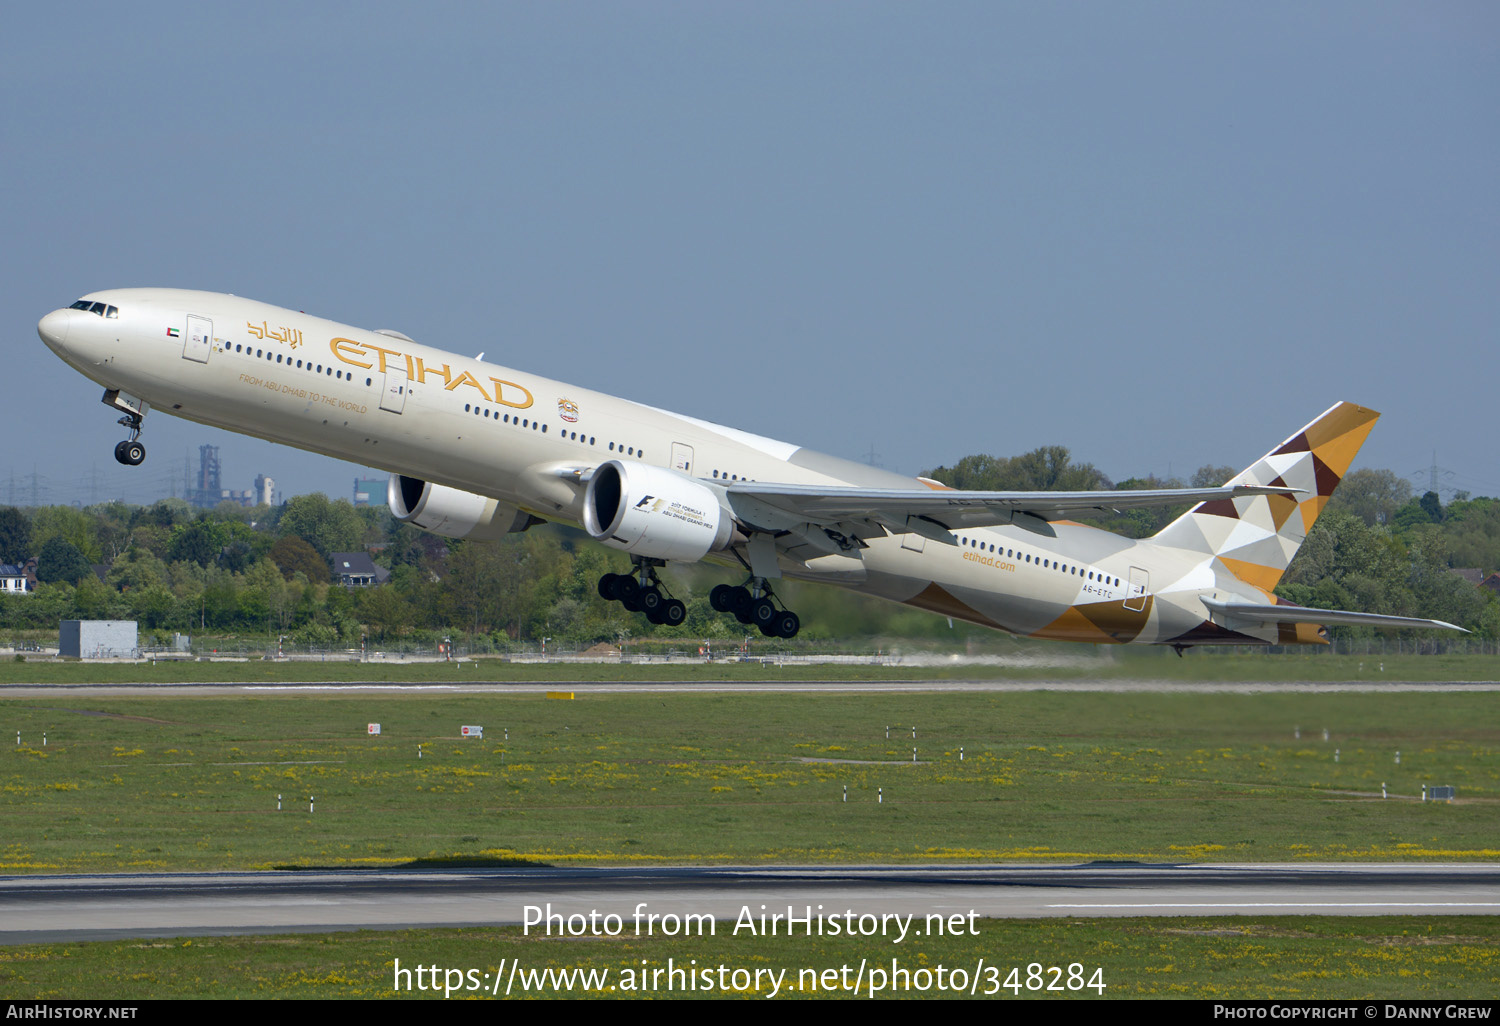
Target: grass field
[(1040, 661), (1450, 957), (192, 783)]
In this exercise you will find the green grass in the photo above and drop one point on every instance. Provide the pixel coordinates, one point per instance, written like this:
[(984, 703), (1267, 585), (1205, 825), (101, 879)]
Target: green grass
[(1033, 661), (1452, 957), (191, 783)]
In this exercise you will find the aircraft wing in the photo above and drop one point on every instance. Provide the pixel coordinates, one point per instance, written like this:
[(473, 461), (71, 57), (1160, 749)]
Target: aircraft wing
[(1270, 614), (931, 511)]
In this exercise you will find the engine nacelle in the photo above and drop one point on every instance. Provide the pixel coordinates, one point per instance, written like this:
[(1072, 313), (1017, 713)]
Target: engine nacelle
[(452, 513), (654, 512)]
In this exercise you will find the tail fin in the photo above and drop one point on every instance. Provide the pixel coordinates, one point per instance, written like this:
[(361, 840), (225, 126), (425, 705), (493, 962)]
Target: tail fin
[(1256, 538)]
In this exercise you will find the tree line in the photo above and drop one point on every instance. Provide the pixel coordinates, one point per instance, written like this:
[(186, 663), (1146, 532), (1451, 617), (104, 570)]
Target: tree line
[(267, 571)]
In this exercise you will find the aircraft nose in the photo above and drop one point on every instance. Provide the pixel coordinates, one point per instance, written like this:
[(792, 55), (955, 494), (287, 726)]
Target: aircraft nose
[(54, 328)]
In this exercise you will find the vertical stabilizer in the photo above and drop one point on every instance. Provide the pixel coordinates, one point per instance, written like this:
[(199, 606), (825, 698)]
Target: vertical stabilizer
[(1256, 538)]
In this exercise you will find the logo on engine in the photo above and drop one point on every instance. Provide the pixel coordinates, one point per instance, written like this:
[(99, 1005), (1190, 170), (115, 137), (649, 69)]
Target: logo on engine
[(655, 503), (567, 409)]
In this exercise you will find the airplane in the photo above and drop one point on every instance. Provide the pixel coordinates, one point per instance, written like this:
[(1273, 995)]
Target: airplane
[(476, 450)]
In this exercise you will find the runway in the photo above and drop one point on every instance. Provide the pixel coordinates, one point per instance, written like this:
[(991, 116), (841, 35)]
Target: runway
[(70, 908)]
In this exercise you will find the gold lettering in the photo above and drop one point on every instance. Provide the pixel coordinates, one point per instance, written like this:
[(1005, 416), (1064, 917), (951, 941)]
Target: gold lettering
[(501, 386), (468, 379), (339, 345), (383, 354), (423, 371)]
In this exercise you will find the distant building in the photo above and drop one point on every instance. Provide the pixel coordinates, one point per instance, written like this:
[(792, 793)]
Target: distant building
[(369, 491), (14, 580), (98, 639), (206, 492), (265, 491), (358, 570)]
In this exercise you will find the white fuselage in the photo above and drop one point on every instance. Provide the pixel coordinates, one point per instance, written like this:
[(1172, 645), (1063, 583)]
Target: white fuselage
[(382, 400)]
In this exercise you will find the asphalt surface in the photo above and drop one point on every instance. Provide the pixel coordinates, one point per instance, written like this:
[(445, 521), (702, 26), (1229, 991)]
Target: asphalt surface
[(62, 908)]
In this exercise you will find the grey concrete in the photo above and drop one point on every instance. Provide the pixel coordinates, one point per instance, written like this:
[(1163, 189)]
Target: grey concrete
[(34, 909)]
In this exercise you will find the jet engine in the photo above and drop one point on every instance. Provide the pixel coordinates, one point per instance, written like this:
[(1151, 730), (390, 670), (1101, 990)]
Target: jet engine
[(654, 512), (452, 513)]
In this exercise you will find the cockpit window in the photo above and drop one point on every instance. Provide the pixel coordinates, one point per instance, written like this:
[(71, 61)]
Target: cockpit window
[(102, 309)]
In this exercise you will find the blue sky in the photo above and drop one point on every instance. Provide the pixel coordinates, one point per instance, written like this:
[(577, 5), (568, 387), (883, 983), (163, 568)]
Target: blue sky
[(1163, 235)]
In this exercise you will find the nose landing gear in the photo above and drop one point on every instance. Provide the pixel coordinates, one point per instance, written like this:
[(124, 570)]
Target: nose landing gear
[(129, 452)]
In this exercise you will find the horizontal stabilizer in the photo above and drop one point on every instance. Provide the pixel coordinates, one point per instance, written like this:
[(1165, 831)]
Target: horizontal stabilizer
[(1259, 613)]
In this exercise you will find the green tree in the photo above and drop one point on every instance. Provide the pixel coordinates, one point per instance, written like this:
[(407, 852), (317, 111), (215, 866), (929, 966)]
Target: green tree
[(292, 556), (1049, 468), (60, 560), (1372, 495), (15, 536), (200, 542), (328, 527)]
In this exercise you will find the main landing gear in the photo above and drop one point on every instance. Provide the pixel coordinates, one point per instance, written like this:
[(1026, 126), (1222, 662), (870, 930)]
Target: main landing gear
[(753, 603), (640, 591)]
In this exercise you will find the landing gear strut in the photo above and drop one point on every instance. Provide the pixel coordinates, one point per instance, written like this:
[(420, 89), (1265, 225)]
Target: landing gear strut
[(129, 452)]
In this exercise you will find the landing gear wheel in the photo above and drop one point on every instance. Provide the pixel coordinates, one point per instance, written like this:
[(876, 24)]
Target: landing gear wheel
[(722, 598), (768, 630), (787, 625), (132, 453), (651, 601), (763, 613), (673, 612), (628, 592), (609, 587)]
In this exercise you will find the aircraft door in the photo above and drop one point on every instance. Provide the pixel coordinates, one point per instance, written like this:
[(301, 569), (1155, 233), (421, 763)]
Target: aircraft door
[(394, 396), (1135, 599), (682, 457), (200, 339)]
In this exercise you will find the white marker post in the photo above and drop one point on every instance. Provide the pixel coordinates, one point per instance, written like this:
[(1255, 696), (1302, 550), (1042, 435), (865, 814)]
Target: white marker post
[(309, 803), (278, 803), (846, 793), (880, 796)]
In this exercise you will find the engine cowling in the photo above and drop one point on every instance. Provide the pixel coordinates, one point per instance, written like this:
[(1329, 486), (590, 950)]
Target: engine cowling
[(654, 512), (452, 513)]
